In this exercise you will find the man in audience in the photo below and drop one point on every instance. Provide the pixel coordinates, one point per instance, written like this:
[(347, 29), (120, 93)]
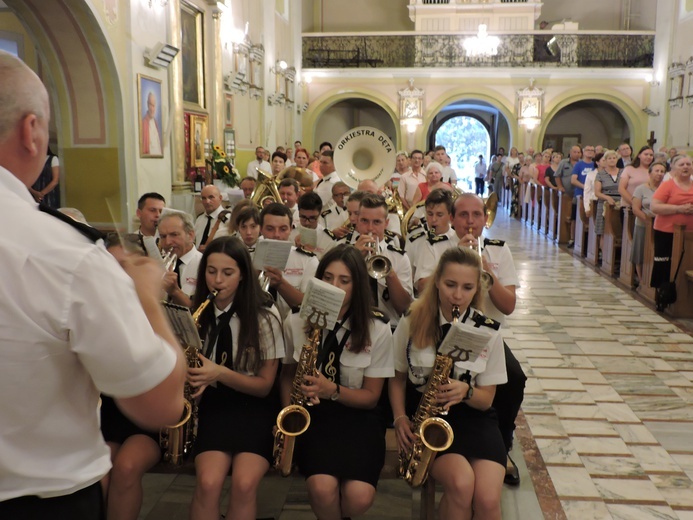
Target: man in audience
[(213, 222), (177, 233), (581, 169), (248, 186), (441, 156), (329, 177), (260, 162), (562, 177), (335, 214), (409, 182), (149, 208), (289, 191)]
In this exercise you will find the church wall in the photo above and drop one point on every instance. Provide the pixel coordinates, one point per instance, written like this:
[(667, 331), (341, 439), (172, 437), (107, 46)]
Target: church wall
[(359, 15), (680, 122)]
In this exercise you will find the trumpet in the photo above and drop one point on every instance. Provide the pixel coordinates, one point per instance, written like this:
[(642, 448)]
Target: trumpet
[(169, 260), (378, 266), (486, 277)]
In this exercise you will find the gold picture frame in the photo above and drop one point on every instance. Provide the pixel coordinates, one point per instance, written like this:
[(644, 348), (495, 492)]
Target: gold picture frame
[(150, 111), (192, 55), (198, 135)]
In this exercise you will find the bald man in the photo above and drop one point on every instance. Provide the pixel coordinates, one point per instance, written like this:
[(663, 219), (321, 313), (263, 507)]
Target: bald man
[(85, 325), (213, 223)]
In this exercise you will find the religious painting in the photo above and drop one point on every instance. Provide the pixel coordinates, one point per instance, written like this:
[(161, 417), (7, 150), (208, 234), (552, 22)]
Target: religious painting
[(192, 55), (149, 111), (198, 136)]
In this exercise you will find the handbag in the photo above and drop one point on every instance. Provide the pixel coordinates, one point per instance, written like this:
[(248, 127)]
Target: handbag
[(665, 294)]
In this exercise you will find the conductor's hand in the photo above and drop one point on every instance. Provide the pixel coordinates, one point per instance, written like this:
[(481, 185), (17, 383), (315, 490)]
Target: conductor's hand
[(274, 275), (145, 272), (200, 378), (451, 393), (405, 437), (317, 387)]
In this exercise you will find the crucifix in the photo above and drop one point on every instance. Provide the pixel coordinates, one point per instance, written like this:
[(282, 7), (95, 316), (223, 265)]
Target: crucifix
[(651, 141)]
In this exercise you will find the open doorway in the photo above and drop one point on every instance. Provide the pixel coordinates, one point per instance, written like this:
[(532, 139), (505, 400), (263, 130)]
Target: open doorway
[(464, 139)]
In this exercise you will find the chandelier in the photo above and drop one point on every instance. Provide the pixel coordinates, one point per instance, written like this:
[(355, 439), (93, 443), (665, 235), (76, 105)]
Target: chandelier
[(482, 44)]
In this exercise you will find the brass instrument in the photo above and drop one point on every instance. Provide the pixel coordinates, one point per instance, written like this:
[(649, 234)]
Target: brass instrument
[(177, 440), (294, 419), (378, 266), (265, 190), (394, 204), (303, 176), (408, 216), (491, 208), (486, 278), (433, 434)]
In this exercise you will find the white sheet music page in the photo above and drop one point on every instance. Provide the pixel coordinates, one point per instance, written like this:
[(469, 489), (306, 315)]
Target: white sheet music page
[(321, 304), (466, 345), (309, 237), (183, 325), (271, 253)]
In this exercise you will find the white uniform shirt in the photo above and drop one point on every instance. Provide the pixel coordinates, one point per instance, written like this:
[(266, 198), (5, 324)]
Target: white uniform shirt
[(326, 240), (201, 223), (188, 271), (264, 166), (324, 187), (374, 361), (71, 326), (300, 268), (401, 266), (491, 358), (333, 217), (433, 247), (499, 260)]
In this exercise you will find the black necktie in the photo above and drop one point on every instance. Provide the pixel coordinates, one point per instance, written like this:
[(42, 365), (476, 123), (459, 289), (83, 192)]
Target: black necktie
[(331, 351), (176, 270), (205, 233), (221, 335), (374, 290), (91, 233), (444, 329)]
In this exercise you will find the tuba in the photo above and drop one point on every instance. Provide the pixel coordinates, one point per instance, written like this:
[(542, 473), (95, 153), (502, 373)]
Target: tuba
[(364, 153), (294, 419), (434, 434), (265, 189), (177, 440)]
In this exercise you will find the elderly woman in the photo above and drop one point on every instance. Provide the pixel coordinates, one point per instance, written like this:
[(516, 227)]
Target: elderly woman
[(434, 174), (606, 188), (672, 204)]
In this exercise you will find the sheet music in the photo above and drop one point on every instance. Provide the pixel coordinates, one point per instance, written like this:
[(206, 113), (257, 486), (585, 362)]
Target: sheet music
[(183, 325), (309, 237), (151, 248), (272, 253), (321, 304), (465, 343)]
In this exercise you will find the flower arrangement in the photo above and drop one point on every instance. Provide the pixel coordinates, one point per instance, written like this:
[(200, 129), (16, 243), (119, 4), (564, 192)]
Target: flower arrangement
[(222, 167)]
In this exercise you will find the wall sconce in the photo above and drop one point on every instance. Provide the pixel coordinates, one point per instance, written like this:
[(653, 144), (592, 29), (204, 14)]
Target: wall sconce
[(255, 92), (161, 55), (652, 80), (307, 80), (234, 81), (650, 112), (279, 67), (301, 109)]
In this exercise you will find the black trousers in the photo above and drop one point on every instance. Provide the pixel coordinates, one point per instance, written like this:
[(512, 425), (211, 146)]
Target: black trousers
[(479, 186), (85, 504), (509, 396)]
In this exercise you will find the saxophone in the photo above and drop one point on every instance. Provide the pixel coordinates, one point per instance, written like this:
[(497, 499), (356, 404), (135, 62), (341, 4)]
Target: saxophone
[(433, 434), (177, 440), (294, 419)]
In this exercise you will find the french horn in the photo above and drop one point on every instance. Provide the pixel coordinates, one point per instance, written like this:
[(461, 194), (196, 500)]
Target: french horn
[(266, 189)]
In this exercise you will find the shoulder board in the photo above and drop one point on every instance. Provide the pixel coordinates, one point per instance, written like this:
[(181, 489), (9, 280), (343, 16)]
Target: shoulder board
[(267, 301), (390, 234), (395, 249), (437, 238), (492, 242), (295, 310), (481, 320), (304, 251), (326, 212), (416, 236), (348, 237), (330, 234), (224, 216), (380, 316)]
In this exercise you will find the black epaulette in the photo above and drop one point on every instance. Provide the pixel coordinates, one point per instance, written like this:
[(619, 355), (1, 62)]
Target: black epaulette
[(295, 310), (395, 249), (304, 251), (417, 235), (326, 212), (331, 234), (493, 242), (390, 234), (346, 239), (380, 316), (224, 216), (432, 238), (484, 321)]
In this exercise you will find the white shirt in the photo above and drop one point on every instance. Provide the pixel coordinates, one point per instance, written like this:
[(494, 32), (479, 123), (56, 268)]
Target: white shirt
[(324, 187), (154, 141), (333, 217), (488, 369), (432, 247), (299, 269), (374, 361), (71, 325), (588, 195), (449, 175), (201, 223), (188, 271), (325, 240), (401, 266), (408, 183), (264, 166)]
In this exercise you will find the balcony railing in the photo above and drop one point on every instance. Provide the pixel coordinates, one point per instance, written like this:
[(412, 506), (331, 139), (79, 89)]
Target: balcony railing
[(536, 49), (444, 2)]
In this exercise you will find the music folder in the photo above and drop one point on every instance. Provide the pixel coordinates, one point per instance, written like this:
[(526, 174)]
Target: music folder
[(183, 325), (321, 304)]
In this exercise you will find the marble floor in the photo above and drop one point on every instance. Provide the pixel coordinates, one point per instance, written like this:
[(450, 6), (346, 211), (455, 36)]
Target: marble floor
[(606, 430)]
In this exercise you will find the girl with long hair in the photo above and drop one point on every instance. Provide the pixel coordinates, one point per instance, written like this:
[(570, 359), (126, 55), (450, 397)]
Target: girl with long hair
[(242, 348), (343, 451), (471, 471)]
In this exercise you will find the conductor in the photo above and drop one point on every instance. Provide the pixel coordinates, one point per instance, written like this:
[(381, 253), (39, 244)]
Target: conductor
[(72, 323)]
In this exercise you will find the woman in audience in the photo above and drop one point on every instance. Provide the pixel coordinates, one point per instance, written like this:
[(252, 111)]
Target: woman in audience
[(542, 160), (635, 174), (434, 174), (471, 471), (556, 158), (642, 198), (301, 158), (588, 192), (606, 188), (343, 451), (672, 204)]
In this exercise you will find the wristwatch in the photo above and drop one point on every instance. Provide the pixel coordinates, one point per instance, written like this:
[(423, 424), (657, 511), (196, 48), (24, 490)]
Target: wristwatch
[(470, 393), (335, 396), (467, 378)]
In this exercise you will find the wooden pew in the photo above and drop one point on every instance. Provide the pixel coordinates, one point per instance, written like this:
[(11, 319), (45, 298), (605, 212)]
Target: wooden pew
[(565, 207), (554, 198), (683, 241), (645, 290), (627, 273), (582, 224), (521, 202), (518, 208), (611, 240), (531, 206), (592, 256), (538, 206), (546, 210)]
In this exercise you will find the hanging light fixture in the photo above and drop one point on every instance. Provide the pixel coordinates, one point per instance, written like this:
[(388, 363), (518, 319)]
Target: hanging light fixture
[(482, 44)]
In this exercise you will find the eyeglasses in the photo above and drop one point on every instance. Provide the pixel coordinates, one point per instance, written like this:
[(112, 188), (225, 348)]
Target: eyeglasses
[(307, 219), (343, 194)]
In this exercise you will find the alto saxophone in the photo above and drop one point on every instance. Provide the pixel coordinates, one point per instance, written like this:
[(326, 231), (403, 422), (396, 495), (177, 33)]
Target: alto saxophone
[(294, 419), (433, 434), (177, 440)]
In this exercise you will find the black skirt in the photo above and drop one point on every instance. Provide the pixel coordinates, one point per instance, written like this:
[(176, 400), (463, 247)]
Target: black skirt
[(116, 427), (476, 433), (234, 422), (347, 443), (661, 267)]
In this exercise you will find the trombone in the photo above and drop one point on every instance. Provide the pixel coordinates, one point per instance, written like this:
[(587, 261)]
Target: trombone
[(486, 278)]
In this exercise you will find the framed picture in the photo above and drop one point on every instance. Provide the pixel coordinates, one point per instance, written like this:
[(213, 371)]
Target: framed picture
[(192, 55), (228, 110), (198, 135), (230, 143), (149, 111)]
